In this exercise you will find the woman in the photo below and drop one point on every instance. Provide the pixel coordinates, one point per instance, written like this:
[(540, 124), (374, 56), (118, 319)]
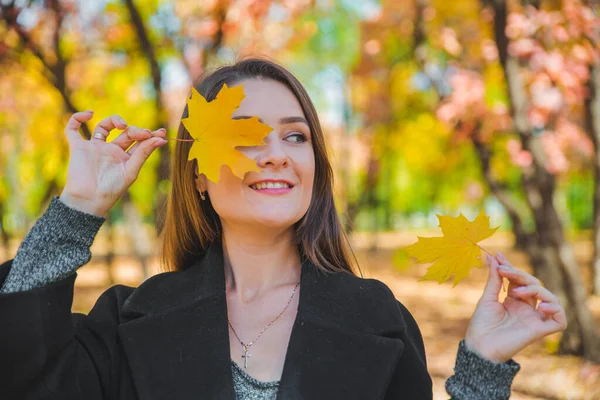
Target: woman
[(262, 301)]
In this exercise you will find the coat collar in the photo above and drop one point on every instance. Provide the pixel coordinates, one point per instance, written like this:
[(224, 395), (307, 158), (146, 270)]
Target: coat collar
[(177, 342)]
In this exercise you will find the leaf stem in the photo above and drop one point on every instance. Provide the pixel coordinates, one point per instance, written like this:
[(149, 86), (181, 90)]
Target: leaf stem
[(503, 281), (483, 249), (181, 140)]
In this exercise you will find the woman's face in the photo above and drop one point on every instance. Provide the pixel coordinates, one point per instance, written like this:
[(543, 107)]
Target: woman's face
[(279, 195)]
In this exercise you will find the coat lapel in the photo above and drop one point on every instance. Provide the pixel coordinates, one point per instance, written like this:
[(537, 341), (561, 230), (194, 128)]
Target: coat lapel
[(178, 346), (336, 350), (176, 338)]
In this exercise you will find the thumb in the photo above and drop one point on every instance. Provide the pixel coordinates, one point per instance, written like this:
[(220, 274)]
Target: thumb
[(75, 122), (141, 154), (494, 282)]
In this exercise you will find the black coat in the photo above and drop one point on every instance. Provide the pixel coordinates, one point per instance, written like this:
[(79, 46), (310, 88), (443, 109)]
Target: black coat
[(168, 339)]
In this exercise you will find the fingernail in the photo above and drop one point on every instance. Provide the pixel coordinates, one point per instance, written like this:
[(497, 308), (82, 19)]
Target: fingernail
[(520, 289), (501, 255), (504, 267), (121, 120), (489, 259), (148, 131), (90, 111)]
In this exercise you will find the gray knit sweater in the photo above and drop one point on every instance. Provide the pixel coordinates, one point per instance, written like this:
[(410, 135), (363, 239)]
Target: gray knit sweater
[(64, 236)]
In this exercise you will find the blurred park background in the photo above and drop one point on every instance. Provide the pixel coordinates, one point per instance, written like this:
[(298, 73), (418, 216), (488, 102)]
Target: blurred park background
[(429, 106)]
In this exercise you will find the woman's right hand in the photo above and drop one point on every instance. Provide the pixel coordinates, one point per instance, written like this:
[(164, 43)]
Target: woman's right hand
[(99, 173)]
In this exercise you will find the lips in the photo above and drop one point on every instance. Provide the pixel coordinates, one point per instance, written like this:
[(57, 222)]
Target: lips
[(271, 184)]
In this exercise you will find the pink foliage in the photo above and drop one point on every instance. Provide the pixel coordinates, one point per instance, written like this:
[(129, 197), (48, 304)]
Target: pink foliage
[(523, 47), (489, 50), (518, 156), (467, 101), (450, 42), (555, 50), (474, 191), (572, 137), (556, 161)]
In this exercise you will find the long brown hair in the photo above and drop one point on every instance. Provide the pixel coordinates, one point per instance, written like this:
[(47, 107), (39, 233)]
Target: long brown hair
[(192, 224)]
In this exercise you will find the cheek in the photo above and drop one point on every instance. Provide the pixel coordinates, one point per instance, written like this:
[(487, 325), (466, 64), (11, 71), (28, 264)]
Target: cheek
[(308, 177), (225, 194)]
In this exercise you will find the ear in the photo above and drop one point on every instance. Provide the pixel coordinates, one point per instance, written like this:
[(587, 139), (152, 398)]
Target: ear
[(200, 180)]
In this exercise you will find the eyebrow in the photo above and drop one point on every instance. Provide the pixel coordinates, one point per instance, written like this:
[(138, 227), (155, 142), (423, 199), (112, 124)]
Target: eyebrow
[(284, 120)]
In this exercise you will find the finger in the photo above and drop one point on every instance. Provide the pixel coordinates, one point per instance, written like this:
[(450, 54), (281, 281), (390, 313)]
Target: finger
[(538, 292), (140, 154), (513, 287), (527, 294), (503, 260), (102, 130), (516, 276), (550, 310), (162, 132), (72, 128), (130, 135), (554, 315), (494, 282)]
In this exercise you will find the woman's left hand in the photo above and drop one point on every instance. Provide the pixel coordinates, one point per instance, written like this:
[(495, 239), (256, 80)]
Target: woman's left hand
[(498, 331)]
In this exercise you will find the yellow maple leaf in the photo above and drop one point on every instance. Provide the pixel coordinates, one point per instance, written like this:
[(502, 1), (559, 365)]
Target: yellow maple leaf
[(216, 134), (457, 251)]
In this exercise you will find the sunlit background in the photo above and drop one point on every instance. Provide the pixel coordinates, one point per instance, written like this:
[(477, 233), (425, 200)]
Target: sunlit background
[(429, 107)]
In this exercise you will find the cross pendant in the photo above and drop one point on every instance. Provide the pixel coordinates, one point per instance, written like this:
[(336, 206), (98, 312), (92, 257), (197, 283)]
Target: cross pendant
[(245, 356)]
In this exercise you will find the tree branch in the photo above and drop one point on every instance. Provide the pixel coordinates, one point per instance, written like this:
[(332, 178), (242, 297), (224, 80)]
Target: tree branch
[(56, 75)]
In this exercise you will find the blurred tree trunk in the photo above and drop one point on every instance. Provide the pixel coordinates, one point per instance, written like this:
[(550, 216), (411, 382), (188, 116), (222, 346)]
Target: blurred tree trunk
[(366, 199), (522, 237), (551, 255), (592, 111), (161, 117), (163, 168)]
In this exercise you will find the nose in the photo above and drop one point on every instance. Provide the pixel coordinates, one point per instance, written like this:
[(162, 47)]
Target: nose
[(272, 154)]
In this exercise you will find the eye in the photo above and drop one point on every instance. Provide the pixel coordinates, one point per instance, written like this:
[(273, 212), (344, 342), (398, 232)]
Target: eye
[(299, 137)]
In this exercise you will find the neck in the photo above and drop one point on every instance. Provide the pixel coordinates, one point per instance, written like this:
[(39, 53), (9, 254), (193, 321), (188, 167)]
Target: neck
[(256, 261)]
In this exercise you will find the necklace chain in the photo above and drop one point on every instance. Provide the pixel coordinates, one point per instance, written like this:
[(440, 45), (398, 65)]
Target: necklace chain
[(246, 346)]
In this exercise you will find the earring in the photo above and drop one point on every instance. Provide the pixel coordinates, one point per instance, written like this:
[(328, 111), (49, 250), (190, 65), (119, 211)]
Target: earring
[(202, 196)]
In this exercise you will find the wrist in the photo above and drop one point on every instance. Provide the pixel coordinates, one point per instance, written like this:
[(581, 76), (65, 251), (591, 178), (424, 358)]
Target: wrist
[(84, 205), (481, 351)]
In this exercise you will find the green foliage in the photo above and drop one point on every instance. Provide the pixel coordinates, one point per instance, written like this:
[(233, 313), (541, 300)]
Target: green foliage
[(579, 192)]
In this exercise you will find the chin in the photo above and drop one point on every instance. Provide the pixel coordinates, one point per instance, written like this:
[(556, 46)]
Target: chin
[(275, 221), (275, 218)]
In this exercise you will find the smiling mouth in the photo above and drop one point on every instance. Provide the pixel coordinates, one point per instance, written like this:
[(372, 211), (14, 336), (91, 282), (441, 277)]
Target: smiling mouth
[(271, 185)]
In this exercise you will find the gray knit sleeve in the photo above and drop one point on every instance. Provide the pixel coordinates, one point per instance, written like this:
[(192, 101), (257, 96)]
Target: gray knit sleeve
[(55, 247), (476, 378)]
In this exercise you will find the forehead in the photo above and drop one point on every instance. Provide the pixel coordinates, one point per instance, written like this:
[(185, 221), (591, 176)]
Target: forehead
[(268, 99)]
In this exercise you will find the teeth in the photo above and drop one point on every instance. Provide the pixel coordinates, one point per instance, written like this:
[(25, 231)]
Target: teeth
[(269, 185)]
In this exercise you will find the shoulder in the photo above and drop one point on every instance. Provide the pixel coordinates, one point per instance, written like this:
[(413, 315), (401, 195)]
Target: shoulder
[(110, 303), (372, 307), (124, 303), (365, 301), (369, 290)]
